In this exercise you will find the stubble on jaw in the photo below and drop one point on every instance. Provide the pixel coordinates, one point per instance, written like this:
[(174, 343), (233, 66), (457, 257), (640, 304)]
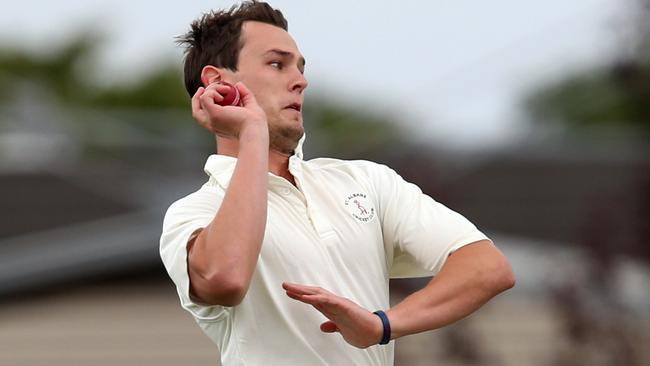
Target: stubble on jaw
[(285, 139)]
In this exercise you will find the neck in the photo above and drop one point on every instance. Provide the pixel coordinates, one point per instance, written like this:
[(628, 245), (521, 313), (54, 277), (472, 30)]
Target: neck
[(278, 159)]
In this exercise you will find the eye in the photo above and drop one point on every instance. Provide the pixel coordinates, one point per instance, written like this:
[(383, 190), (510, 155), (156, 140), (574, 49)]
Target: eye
[(276, 64)]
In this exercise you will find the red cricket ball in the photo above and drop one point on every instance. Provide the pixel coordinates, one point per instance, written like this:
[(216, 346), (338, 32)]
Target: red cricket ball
[(231, 97)]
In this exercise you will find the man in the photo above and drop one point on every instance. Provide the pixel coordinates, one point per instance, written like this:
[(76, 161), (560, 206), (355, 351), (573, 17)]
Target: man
[(270, 234)]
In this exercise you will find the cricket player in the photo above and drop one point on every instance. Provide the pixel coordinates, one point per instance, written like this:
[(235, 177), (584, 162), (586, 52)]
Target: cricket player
[(286, 261)]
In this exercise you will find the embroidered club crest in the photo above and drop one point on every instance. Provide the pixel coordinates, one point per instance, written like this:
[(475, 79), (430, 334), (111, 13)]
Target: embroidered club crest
[(360, 207)]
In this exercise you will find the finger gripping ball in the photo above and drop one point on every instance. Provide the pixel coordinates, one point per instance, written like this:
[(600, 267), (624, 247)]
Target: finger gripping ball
[(231, 97)]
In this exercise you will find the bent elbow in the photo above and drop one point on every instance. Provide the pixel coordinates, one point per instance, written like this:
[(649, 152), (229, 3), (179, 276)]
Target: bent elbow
[(508, 279), (230, 294), (504, 278), (497, 277), (224, 290)]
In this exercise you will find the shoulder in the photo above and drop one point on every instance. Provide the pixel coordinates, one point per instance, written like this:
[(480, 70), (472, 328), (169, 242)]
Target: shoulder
[(203, 201), (371, 177), (366, 168), (375, 176)]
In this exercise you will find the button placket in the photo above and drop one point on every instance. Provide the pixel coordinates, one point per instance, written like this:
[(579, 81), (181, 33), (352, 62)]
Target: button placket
[(320, 224)]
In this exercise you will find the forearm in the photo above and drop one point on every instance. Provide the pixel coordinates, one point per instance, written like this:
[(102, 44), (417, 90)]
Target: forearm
[(470, 278), (224, 255)]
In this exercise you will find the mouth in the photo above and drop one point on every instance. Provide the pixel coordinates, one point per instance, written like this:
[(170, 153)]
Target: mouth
[(294, 106)]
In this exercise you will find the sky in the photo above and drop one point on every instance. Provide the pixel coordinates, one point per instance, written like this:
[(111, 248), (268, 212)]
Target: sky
[(453, 72)]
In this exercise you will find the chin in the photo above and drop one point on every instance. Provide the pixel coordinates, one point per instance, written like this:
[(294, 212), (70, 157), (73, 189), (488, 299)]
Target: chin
[(292, 132), (285, 138), (289, 127)]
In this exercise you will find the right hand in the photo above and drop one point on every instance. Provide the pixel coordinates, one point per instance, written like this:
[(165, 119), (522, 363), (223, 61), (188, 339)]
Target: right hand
[(226, 121)]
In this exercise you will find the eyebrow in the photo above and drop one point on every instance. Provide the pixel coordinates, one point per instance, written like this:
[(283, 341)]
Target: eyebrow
[(301, 60)]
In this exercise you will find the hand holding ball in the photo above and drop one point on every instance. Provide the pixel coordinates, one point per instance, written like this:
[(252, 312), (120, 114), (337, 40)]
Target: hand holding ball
[(231, 97)]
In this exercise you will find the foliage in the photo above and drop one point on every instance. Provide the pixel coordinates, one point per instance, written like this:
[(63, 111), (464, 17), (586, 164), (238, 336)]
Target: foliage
[(162, 90), (616, 94)]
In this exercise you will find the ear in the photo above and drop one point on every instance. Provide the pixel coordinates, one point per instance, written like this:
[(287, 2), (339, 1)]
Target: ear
[(210, 74)]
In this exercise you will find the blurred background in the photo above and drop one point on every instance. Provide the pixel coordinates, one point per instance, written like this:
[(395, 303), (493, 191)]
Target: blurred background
[(530, 118)]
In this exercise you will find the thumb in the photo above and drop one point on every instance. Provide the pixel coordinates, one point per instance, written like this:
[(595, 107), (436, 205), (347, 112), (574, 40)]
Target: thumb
[(247, 96), (329, 327)]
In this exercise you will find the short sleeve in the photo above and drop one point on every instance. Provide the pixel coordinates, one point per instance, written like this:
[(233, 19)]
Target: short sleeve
[(183, 219), (421, 232)]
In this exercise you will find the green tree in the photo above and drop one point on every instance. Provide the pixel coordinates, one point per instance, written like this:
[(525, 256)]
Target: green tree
[(343, 128), (616, 94)]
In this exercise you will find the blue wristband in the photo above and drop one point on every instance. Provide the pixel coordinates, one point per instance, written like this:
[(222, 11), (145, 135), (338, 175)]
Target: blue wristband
[(385, 338)]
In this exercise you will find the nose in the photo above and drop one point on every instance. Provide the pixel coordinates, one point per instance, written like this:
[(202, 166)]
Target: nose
[(299, 82)]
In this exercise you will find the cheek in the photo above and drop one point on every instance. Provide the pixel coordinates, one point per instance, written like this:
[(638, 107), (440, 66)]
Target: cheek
[(267, 100), (263, 99), (264, 92)]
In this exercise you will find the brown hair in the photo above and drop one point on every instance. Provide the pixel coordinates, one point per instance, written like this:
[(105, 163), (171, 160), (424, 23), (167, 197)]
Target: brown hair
[(215, 38)]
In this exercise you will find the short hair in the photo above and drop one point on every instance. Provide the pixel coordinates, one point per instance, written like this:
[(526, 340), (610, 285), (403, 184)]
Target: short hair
[(215, 38)]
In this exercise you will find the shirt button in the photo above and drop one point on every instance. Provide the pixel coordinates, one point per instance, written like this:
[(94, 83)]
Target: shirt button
[(285, 191)]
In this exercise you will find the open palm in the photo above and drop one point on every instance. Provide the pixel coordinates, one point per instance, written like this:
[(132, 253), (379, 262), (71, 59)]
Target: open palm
[(358, 326)]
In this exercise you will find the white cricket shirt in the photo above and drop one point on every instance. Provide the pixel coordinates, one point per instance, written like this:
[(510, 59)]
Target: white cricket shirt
[(348, 227)]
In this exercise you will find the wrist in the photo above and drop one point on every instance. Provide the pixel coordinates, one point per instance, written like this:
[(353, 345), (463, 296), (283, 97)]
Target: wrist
[(396, 325), (385, 327), (257, 131)]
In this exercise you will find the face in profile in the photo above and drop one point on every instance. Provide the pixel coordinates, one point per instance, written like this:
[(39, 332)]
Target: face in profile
[(272, 67)]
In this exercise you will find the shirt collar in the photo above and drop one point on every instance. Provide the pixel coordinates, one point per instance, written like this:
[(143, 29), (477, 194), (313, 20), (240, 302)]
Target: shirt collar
[(297, 152), (221, 167)]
